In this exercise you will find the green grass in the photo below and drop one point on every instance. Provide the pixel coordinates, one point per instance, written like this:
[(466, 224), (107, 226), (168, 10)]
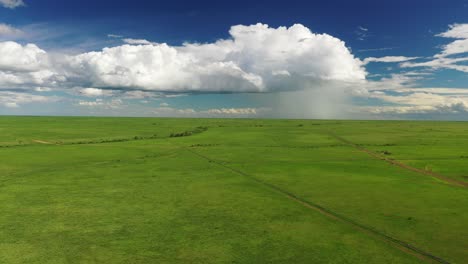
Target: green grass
[(136, 190)]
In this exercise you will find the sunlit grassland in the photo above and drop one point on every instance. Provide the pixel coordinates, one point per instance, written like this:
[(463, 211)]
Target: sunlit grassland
[(130, 190)]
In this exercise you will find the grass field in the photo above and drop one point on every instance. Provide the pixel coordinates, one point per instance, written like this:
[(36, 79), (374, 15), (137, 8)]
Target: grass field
[(144, 190)]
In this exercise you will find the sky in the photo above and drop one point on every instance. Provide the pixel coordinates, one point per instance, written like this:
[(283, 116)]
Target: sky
[(250, 59)]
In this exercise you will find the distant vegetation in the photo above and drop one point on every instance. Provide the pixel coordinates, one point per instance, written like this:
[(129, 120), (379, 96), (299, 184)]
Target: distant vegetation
[(189, 133)]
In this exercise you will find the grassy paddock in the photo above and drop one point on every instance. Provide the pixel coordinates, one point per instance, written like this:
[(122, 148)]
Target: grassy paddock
[(147, 190)]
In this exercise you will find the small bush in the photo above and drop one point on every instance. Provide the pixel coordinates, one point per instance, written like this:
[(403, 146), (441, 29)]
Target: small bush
[(189, 133)]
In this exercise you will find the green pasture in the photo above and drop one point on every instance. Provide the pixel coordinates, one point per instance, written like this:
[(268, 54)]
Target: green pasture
[(154, 190)]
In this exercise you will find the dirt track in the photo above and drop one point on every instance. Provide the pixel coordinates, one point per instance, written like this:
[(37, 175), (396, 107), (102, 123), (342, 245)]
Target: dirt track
[(44, 142), (402, 165), (401, 245)]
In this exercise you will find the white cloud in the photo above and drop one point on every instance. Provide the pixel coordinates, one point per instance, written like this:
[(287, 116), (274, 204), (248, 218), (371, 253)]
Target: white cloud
[(457, 31), (11, 105), (437, 90), (394, 82), (114, 36), (90, 103), (15, 57), (232, 111), (137, 94), (249, 62), (362, 33), (418, 98), (281, 72), (100, 103), (43, 89), (170, 111), (137, 41), (419, 101), (94, 92), (389, 59), (256, 58), (165, 110), (9, 31), (400, 94), (450, 108), (11, 3), (445, 59), (25, 67), (15, 99), (377, 49), (440, 62), (455, 47)]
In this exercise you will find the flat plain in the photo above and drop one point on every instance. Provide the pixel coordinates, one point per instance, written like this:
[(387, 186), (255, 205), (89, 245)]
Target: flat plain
[(155, 190)]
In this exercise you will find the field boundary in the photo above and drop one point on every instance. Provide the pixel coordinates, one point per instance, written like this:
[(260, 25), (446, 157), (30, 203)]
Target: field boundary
[(400, 164), (399, 244), (95, 141)]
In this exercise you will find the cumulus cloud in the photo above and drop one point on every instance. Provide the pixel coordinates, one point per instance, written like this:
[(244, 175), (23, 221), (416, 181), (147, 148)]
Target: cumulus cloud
[(11, 3), (389, 59), (25, 66), (311, 75), (15, 57), (15, 99), (256, 58), (94, 92)]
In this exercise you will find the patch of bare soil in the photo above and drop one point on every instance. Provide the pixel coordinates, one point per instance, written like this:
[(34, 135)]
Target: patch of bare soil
[(44, 142)]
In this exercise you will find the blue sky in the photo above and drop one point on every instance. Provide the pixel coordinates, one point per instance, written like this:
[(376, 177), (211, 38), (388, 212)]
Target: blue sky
[(300, 59)]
